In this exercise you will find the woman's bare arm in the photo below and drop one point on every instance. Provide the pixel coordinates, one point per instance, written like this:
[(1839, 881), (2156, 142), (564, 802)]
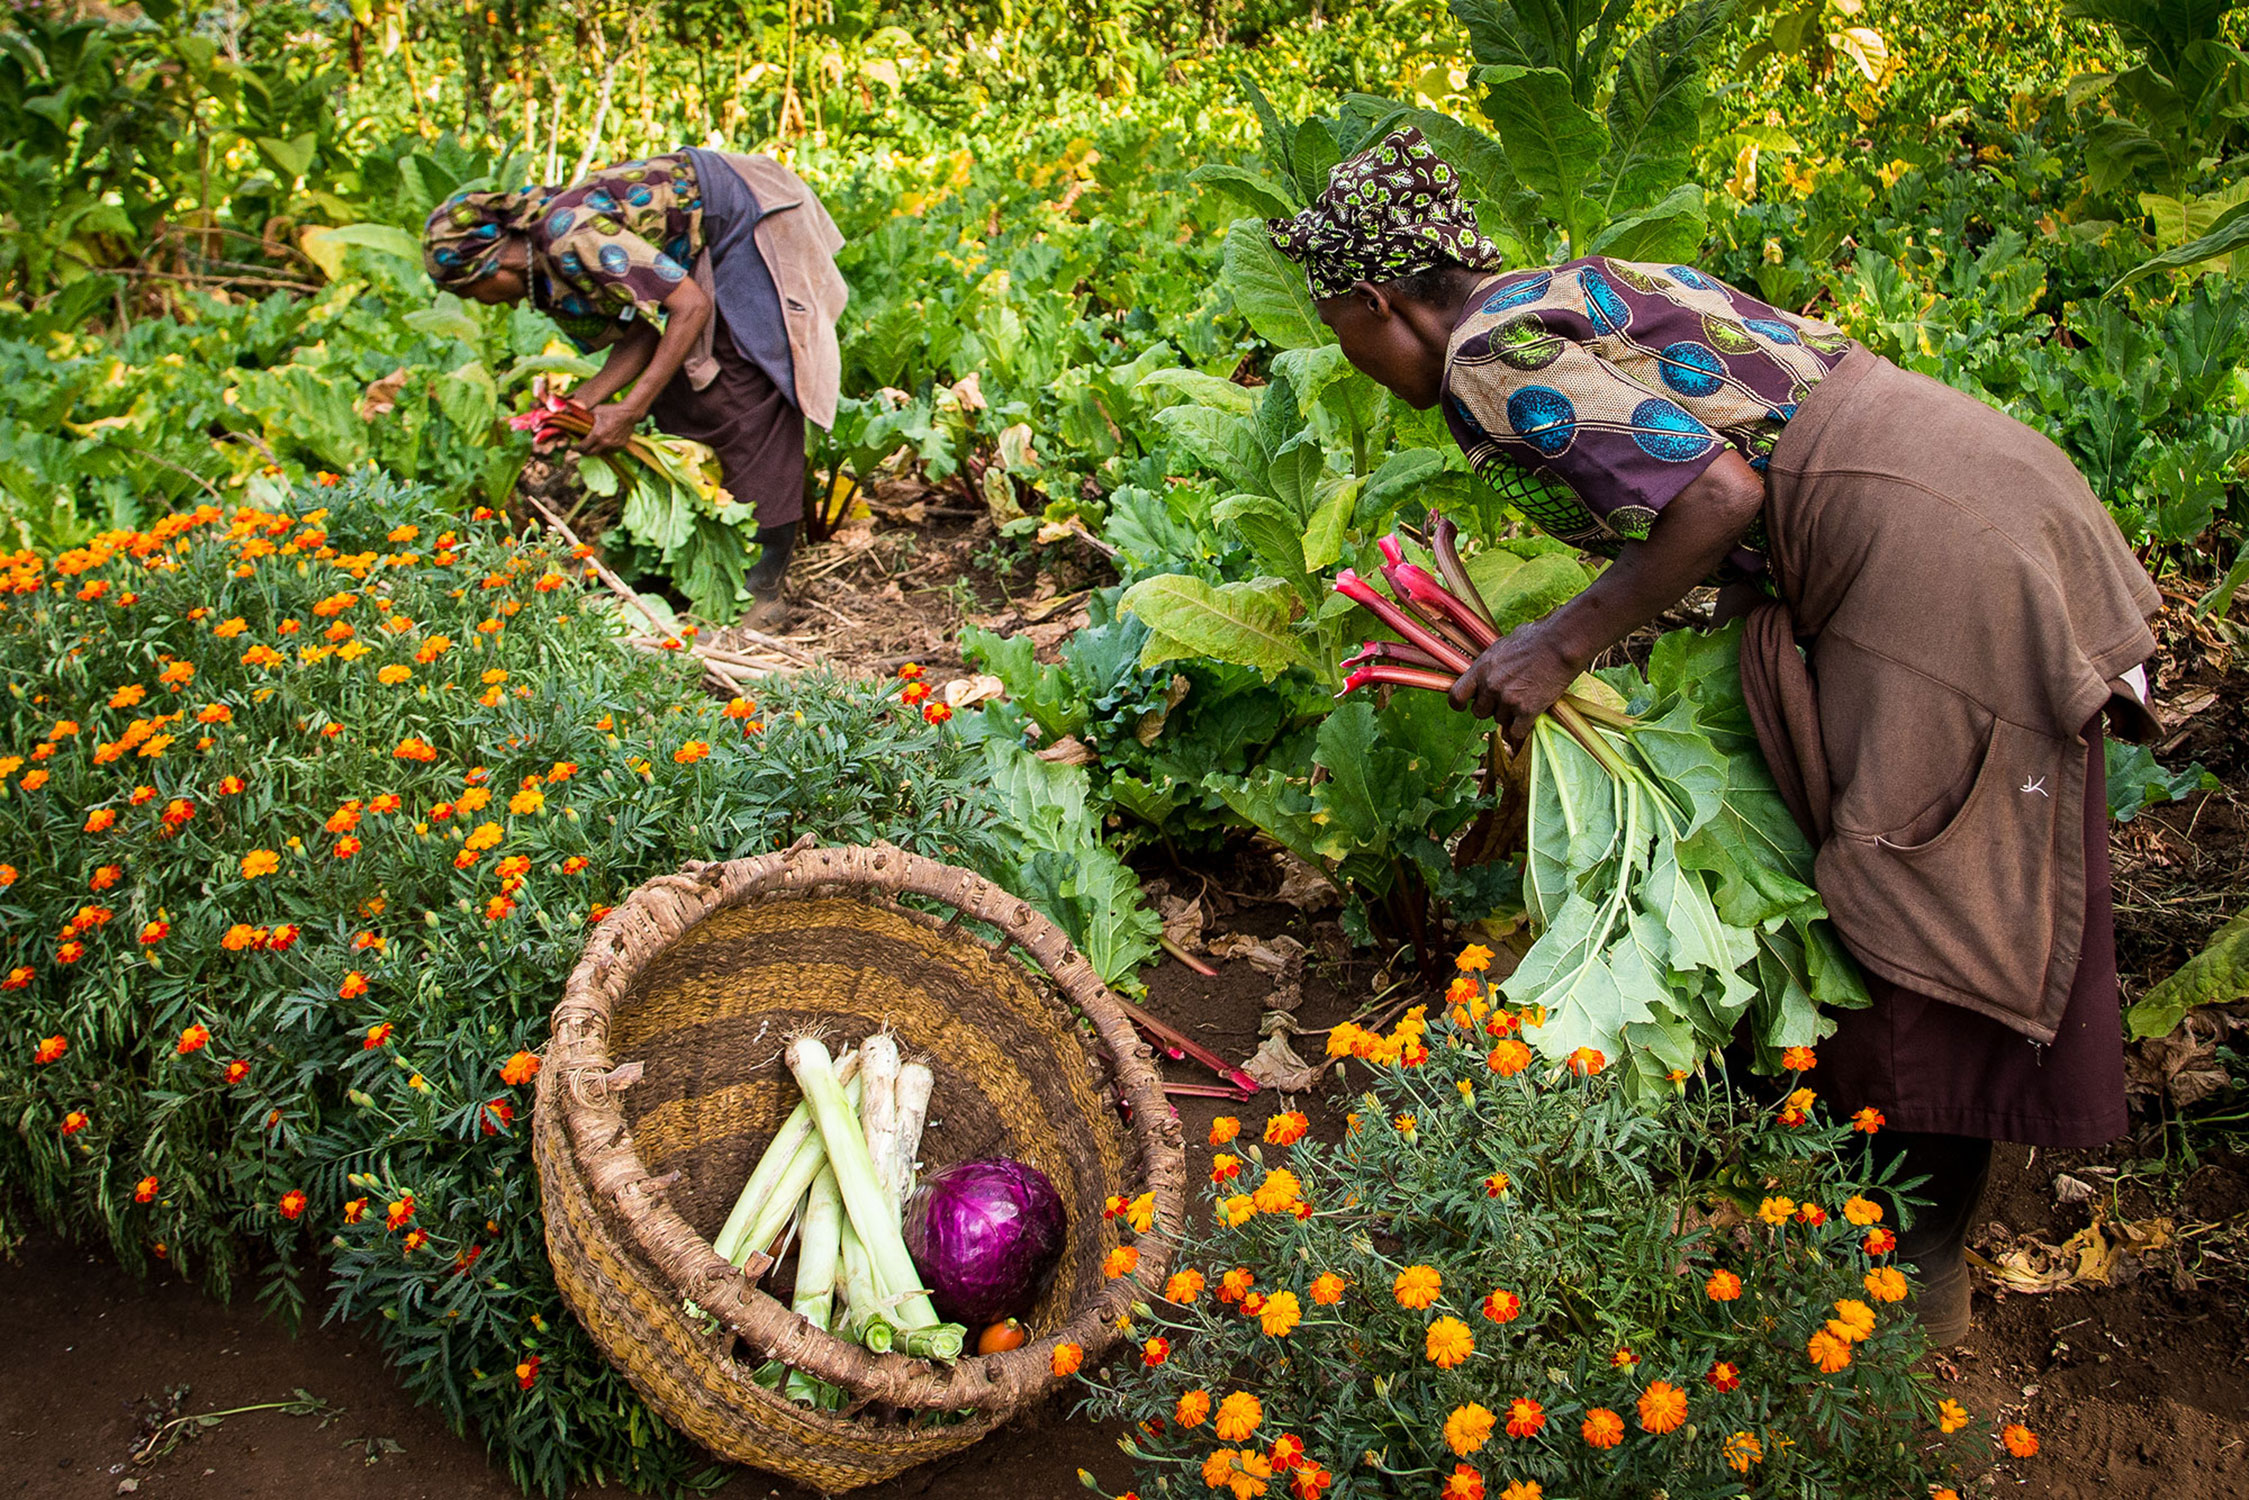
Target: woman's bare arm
[(627, 358), (1526, 670), (686, 310)]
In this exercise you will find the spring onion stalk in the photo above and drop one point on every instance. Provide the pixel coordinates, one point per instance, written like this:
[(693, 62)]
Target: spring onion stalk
[(872, 1217), (819, 1245), (915, 1085), (771, 1217), (878, 1106), (863, 1316), (794, 1132)]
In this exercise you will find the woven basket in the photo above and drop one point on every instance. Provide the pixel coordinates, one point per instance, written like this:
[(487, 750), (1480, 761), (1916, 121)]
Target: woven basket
[(694, 984)]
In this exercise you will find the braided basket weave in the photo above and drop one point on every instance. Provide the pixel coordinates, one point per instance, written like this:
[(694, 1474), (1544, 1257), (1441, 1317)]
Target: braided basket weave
[(664, 1082)]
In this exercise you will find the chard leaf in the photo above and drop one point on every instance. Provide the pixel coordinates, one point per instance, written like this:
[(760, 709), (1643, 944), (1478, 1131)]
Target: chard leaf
[(1243, 623)]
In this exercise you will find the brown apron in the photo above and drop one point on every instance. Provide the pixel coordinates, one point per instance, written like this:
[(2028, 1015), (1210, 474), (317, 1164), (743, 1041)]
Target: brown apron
[(1967, 608)]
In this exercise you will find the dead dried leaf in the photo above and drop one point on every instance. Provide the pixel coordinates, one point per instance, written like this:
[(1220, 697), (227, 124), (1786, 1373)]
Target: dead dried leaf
[(1276, 1065), (1304, 886), (381, 398), (1067, 751), (2097, 1255), (969, 692), (1183, 921), (2068, 1189)]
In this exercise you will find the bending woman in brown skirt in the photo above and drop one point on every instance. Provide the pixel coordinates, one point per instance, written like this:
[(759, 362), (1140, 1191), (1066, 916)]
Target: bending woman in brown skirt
[(1966, 611), (710, 278)]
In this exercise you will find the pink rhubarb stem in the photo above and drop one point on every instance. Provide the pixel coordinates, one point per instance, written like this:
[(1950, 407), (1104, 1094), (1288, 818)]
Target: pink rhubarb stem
[(1415, 677), (1176, 1043), (1444, 541), (1359, 591), (1187, 958), (1396, 652), (1416, 584)]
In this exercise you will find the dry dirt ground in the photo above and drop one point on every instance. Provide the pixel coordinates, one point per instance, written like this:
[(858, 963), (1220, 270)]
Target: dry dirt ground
[(2139, 1388)]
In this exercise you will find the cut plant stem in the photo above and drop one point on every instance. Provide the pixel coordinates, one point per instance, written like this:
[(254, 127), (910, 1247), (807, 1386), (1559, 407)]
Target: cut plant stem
[(1417, 586), (1180, 1045), (864, 1200), (1415, 677), (1396, 653), (878, 1104), (863, 1317), (1187, 958), (1359, 591), (915, 1084)]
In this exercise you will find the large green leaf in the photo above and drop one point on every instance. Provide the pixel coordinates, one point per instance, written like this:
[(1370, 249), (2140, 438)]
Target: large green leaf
[(1243, 623), (1655, 106), (1270, 290), (1518, 590), (2217, 975), (1275, 537), (1223, 442), (1670, 231), (327, 247), (1554, 144), (2228, 234), (1255, 191), (1193, 385)]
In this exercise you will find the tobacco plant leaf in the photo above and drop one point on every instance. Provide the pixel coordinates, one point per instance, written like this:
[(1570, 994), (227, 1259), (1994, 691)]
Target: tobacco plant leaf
[(1244, 623), (2217, 975), (1270, 290)]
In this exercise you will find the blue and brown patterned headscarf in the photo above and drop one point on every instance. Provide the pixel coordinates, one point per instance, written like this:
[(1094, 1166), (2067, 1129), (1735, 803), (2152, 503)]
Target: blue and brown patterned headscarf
[(1391, 211), (465, 232)]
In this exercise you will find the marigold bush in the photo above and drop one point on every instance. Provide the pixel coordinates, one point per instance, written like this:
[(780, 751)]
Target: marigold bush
[(1510, 1279), (304, 815)]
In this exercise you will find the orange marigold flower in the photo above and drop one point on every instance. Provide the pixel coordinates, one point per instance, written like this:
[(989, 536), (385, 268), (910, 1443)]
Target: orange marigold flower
[(936, 713), (1723, 1285), (1224, 1129), (237, 1070), (1473, 959), (355, 1210), (1286, 1129), (1586, 1061), (1496, 1185), (691, 752), (1239, 1415), (1862, 1211), (1828, 1352), (520, 1069), (1121, 1261), (1508, 1058), (1663, 1407), (292, 1203), (1853, 1322), (1776, 1210), (1469, 1428), (347, 846), (1886, 1284), (1235, 1284), (1066, 1359), (1416, 1287), (9, 874), (127, 696), (194, 1039), (1278, 1193), (1951, 1416), (2020, 1440), (1192, 1410), (1723, 1376), (1280, 1315), (394, 674), (50, 1049), (415, 1240), (1308, 1481), (913, 694), (1798, 1059), (1155, 1351), (1811, 1213), (214, 713), (1327, 1289), (259, 862), (101, 820), (1742, 1450), (740, 708), (18, 978), (401, 1209), (527, 801), (1503, 1306), (497, 1116), (413, 747), (1448, 1343), (498, 907), (1880, 1241), (574, 864), (386, 803), (34, 780), (230, 786), (69, 951), (155, 932), (1602, 1428), (1524, 1417), (1868, 1120), (105, 877), (377, 1035), (74, 1122), (1183, 1287), (1463, 1483), (146, 1189)]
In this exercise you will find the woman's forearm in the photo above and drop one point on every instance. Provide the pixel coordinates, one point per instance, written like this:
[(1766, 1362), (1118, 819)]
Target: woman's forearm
[(686, 311), (1702, 524), (627, 358)]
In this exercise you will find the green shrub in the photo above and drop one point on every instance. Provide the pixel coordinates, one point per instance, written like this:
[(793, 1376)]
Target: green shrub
[(295, 965), (1506, 1279)]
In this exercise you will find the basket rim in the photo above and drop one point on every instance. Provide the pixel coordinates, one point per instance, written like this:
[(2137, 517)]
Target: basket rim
[(582, 1082)]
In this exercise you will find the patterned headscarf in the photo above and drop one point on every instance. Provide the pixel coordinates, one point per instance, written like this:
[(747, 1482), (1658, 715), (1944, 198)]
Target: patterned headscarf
[(1391, 211), (466, 232)]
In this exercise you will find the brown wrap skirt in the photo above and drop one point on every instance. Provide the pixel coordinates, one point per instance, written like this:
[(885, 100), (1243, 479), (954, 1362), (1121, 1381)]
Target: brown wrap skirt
[(756, 431)]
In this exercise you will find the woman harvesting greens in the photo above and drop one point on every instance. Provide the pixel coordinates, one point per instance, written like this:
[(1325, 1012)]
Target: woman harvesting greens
[(710, 278), (1966, 610)]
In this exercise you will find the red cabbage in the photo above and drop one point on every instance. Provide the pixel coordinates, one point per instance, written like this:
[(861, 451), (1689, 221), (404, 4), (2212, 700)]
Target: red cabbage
[(984, 1235)]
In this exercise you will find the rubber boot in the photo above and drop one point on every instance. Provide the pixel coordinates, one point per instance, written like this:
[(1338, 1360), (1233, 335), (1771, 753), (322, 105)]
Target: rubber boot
[(1935, 1249), (768, 606)]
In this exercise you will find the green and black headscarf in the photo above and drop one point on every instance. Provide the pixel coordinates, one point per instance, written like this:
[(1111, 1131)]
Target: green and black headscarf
[(1391, 211), (467, 231)]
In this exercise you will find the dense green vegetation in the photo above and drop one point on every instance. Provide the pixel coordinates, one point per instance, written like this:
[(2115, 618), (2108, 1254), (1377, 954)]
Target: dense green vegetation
[(209, 296)]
